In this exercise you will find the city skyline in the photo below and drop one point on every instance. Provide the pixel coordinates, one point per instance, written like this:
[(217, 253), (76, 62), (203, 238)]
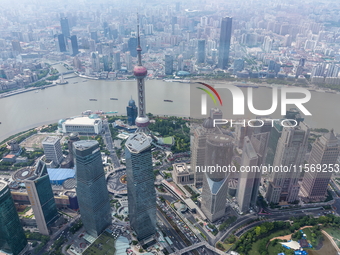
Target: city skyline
[(92, 163)]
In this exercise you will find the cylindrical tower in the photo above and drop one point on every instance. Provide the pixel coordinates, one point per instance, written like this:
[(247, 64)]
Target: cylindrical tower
[(219, 152), (140, 72)]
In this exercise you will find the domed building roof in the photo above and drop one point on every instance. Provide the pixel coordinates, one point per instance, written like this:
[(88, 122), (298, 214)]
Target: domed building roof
[(208, 123), (74, 135), (140, 71)]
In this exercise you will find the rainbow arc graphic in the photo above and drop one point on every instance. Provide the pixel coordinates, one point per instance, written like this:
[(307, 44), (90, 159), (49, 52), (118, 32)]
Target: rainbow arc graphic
[(204, 97)]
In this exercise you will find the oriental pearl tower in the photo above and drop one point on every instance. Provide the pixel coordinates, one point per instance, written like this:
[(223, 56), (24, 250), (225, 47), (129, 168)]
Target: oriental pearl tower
[(142, 121)]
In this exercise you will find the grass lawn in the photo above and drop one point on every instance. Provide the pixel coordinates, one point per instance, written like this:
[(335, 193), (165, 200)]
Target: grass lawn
[(308, 233), (226, 246), (334, 232), (105, 244), (255, 247), (275, 249), (319, 242), (168, 140)]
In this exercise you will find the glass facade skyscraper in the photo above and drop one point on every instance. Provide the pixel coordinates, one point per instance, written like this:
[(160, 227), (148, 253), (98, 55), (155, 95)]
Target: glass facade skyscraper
[(225, 36), (169, 65), (12, 236), (131, 112), (140, 184), (74, 43), (218, 152), (201, 51), (61, 43), (65, 28), (41, 197), (92, 193)]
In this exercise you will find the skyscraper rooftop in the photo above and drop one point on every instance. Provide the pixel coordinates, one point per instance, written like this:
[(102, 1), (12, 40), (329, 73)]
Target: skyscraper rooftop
[(138, 143)]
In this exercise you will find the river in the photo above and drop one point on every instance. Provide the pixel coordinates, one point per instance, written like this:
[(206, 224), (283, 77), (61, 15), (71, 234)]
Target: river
[(31, 109)]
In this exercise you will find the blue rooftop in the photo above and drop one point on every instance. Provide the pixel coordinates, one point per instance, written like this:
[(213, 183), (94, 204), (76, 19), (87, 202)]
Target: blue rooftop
[(59, 175)]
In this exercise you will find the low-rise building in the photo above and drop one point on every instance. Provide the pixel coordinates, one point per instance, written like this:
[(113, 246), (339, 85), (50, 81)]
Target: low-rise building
[(83, 125), (182, 174)]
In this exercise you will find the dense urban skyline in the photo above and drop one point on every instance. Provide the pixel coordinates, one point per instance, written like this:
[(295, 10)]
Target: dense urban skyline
[(135, 181)]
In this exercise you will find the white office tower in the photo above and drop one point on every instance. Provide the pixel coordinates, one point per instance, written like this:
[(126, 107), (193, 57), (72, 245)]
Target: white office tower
[(219, 153), (267, 44), (247, 180), (52, 149), (325, 152), (291, 151)]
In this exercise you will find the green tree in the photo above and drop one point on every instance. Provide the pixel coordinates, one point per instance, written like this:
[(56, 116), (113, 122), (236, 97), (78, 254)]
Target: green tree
[(258, 230)]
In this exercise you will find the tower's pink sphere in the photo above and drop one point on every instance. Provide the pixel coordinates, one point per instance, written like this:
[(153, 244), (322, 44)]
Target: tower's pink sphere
[(140, 71)]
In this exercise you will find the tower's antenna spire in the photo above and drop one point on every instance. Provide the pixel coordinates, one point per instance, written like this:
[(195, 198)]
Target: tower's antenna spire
[(139, 49)]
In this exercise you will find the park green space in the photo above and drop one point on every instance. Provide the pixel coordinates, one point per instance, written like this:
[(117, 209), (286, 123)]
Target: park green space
[(105, 244)]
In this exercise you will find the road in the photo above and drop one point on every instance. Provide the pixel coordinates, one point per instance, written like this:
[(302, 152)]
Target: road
[(178, 243), (337, 205), (62, 231), (109, 144)]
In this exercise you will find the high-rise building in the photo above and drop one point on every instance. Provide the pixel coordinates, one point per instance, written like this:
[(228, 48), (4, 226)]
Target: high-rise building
[(132, 112), (302, 62), (274, 137), (92, 193), (198, 145), (128, 60), (238, 65), (225, 36), (149, 29), (178, 6), (169, 65), (333, 70), (76, 63), (41, 197), (248, 181), (201, 51), (275, 133), (132, 45), (52, 149), (65, 28), (74, 44), (140, 72), (325, 152), (94, 36), (319, 70), (61, 43), (12, 236), (180, 65), (267, 44), (219, 152), (106, 63), (116, 60), (92, 45), (140, 185), (291, 151), (95, 63), (69, 161), (16, 46)]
